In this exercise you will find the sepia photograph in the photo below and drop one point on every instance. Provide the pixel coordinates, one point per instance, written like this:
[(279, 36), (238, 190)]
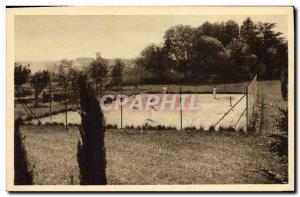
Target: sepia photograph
[(150, 98)]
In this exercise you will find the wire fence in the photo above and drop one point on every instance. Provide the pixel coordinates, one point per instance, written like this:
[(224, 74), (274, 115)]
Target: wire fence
[(251, 92), (221, 105)]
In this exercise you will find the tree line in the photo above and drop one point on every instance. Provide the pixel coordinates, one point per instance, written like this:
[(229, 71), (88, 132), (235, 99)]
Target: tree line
[(215, 52), (67, 76)]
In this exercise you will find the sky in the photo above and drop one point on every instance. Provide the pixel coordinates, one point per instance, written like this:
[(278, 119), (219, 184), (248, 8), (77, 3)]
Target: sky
[(41, 38)]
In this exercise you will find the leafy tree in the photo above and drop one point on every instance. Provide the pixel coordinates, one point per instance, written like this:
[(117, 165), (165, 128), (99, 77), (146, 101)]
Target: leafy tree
[(232, 32), (224, 32), (268, 45), (117, 73), (64, 71), (178, 42), (98, 71), (272, 50), (242, 62), (209, 57), (249, 33), (73, 76), (23, 175), (39, 81), (91, 154), (154, 59), (22, 74)]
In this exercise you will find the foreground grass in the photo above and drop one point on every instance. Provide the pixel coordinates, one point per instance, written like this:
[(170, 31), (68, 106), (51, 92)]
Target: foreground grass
[(153, 157)]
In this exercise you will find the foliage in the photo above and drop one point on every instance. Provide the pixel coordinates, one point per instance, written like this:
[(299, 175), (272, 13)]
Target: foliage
[(39, 81), (223, 51), (22, 74), (117, 73), (91, 156), (284, 85), (279, 143), (153, 63), (23, 174), (98, 71)]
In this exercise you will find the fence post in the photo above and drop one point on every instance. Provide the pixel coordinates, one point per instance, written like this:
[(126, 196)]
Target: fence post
[(66, 107), (121, 108), (247, 115), (180, 92), (50, 100)]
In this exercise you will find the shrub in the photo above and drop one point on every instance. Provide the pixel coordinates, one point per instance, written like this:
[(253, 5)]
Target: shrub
[(279, 143), (22, 175), (230, 128), (91, 156), (129, 127), (201, 128), (45, 97), (58, 97), (112, 126), (211, 128), (284, 87), (221, 128), (190, 128)]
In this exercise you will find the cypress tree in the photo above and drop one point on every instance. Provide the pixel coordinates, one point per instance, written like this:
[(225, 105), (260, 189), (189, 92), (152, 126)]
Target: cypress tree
[(91, 156), (23, 175)]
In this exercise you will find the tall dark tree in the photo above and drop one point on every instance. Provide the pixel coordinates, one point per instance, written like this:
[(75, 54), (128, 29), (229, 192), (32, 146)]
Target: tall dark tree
[(23, 175), (39, 81), (117, 73), (91, 154)]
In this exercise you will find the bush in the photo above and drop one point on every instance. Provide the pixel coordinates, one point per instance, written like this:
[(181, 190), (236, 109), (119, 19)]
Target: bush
[(284, 87), (283, 120), (23, 92), (190, 128), (58, 97), (22, 175), (45, 97), (112, 126), (211, 128), (91, 156), (279, 143), (201, 128)]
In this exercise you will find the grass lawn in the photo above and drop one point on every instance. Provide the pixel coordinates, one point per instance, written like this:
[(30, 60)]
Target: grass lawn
[(162, 157), (153, 157), (41, 109)]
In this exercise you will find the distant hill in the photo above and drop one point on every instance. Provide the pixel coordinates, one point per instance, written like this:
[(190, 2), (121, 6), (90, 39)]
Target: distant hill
[(78, 63)]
